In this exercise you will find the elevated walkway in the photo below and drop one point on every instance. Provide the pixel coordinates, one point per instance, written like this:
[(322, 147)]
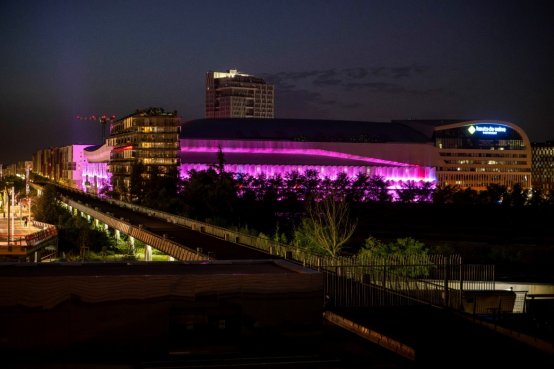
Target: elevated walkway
[(181, 238), (28, 238)]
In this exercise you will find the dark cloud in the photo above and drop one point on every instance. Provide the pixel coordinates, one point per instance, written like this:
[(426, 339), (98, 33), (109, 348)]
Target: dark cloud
[(353, 105), (336, 77), (301, 103), (376, 86), (304, 93), (293, 76), (379, 71), (356, 73), (396, 88), (304, 97), (327, 82), (328, 78), (408, 71)]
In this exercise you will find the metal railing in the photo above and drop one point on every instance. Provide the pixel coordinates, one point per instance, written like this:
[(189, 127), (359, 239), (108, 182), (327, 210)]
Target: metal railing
[(169, 247), (28, 243)]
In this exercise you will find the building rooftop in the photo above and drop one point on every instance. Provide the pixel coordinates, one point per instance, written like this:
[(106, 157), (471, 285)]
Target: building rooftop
[(151, 112), (300, 130), (93, 148), (225, 267), (427, 126)]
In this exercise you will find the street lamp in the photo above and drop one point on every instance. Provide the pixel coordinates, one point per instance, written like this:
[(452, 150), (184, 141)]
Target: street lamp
[(29, 218), (11, 225), (13, 215)]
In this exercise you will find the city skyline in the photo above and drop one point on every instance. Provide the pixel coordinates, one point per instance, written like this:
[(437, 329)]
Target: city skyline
[(348, 60)]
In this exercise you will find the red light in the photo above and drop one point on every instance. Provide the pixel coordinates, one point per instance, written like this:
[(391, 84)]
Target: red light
[(124, 148)]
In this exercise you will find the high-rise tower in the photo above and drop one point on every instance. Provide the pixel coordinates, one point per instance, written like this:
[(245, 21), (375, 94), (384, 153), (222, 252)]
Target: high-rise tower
[(233, 94)]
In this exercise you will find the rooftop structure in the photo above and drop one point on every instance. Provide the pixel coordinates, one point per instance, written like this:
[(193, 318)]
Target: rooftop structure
[(151, 304)]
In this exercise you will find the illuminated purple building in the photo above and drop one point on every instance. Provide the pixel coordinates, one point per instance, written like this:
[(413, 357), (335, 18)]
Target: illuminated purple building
[(462, 153), (273, 147), (95, 174)]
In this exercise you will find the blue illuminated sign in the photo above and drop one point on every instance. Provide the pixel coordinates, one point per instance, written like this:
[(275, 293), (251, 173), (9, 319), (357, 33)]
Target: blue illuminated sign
[(490, 130)]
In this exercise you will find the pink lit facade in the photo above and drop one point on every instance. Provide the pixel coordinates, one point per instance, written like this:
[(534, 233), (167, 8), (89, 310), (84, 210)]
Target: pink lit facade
[(469, 154), (95, 176), (395, 162), (64, 165)]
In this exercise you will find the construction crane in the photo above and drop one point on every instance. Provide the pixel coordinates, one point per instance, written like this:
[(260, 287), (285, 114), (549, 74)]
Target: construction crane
[(103, 119)]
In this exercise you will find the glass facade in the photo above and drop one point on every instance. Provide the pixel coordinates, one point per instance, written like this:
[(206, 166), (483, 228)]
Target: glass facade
[(543, 166), (149, 137), (476, 154), (233, 94)]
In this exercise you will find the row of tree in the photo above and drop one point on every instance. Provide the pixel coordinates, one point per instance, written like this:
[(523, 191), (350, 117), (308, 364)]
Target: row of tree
[(290, 207), (215, 189)]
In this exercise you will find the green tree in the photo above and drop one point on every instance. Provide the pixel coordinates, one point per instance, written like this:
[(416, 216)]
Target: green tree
[(408, 192), (210, 195), (537, 197), (326, 228), (160, 190), (358, 188), (46, 208), (399, 248), (517, 196), (404, 256), (493, 195), (444, 194), (466, 197), (137, 182), (377, 189)]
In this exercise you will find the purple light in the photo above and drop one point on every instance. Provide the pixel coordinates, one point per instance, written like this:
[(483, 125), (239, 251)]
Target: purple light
[(96, 174), (293, 151), (393, 171), (394, 175), (95, 168)]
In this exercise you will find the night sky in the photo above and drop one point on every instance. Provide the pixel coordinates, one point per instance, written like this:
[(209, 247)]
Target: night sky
[(353, 60)]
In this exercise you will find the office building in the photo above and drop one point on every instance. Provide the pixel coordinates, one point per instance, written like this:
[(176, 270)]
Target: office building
[(477, 153), (543, 165), (148, 138), (233, 94)]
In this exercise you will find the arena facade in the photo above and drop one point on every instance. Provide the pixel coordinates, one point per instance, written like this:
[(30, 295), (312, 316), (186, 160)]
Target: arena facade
[(279, 146), (472, 153)]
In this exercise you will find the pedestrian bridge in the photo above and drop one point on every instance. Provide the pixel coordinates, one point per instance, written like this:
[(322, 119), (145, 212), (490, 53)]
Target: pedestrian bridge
[(183, 239), (33, 240)]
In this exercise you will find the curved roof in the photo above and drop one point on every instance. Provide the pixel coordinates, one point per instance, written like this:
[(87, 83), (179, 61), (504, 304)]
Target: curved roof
[(299, 130), (98, 153), (93, 148)]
